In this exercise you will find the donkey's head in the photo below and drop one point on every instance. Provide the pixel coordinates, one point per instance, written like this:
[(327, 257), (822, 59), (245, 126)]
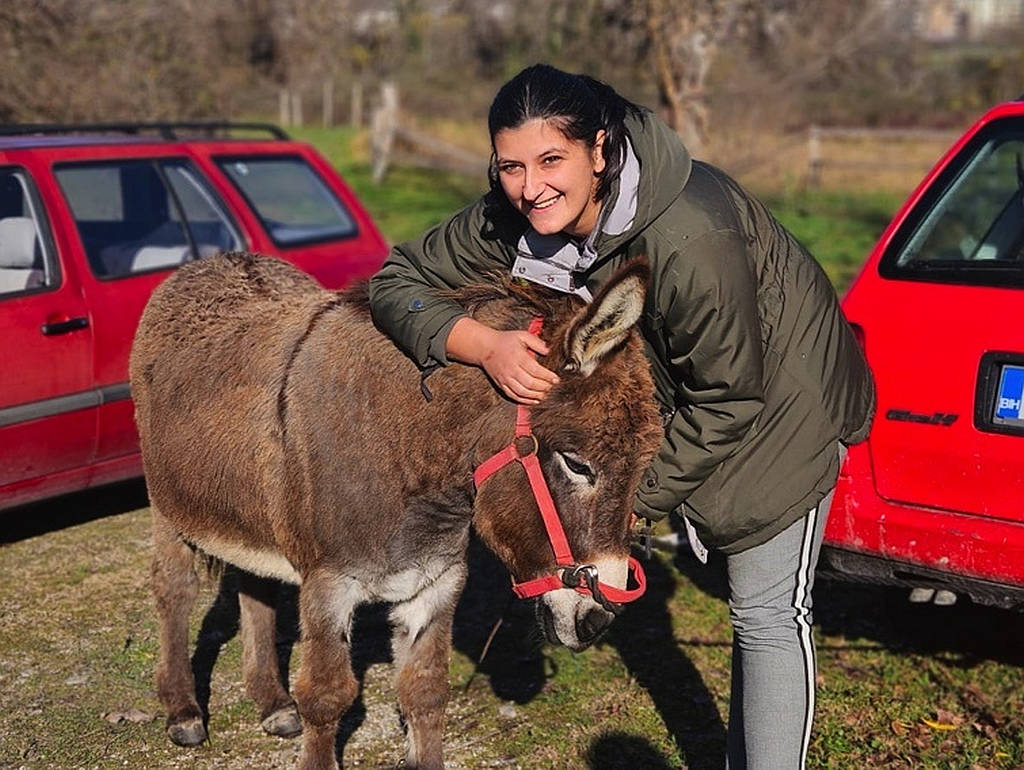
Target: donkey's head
[(596, 432)]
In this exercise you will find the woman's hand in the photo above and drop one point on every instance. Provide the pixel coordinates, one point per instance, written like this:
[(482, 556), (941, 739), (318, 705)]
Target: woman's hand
[(505, 356)]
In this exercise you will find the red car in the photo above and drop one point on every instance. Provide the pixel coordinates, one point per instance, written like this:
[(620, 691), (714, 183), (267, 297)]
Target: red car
[(92, 218), (934, 500)]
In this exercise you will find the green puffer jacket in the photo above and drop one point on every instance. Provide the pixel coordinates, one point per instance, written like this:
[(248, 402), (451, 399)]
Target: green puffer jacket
[(758, 374)]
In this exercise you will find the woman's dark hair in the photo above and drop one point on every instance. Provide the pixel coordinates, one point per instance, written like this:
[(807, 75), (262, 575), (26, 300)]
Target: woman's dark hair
[(578, 105)]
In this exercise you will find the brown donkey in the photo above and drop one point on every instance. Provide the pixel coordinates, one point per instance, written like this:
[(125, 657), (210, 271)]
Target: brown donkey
[(282, 433)]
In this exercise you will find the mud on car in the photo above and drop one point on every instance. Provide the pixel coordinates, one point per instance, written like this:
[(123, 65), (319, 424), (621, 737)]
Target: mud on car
[(92, 218), (934, 499)]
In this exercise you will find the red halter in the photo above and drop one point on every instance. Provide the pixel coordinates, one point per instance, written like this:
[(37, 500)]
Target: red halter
[(581, 577)]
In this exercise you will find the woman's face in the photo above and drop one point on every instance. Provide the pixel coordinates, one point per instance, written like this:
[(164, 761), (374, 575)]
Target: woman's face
[(550, 178)]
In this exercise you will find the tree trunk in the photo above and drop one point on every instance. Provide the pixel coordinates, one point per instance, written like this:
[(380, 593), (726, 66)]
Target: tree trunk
[(684, 40)]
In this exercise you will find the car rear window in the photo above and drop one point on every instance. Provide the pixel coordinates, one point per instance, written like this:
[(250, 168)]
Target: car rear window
[(135, 216), (969, 226), (27, 259), (295, 205)]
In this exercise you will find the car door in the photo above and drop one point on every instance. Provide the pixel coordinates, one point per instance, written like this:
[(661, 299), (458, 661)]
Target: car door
[(47, 403), (943, 335), (137, 219)]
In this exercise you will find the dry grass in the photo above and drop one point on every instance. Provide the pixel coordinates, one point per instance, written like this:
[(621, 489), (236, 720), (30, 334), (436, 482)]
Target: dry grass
[(781, 162)]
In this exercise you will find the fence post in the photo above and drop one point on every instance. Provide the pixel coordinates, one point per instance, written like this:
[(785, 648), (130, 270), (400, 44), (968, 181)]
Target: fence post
[(356, 111), (328, 103), (284, 107), (297, 109), (814, 157), (383, 125)]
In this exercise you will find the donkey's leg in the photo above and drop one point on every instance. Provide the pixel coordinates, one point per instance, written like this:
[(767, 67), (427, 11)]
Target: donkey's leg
[(175, 586), (257, 600), (326, 685), (422, 645)]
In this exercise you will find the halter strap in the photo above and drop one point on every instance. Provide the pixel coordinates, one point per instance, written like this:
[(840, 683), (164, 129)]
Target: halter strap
[(581, 578)]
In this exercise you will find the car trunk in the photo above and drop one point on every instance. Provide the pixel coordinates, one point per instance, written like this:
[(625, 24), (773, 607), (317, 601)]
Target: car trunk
[(942, 330), (926, 446)]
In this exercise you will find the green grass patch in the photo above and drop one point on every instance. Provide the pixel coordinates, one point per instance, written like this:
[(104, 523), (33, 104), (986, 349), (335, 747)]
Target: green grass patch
[(899, 685), (838, 228)]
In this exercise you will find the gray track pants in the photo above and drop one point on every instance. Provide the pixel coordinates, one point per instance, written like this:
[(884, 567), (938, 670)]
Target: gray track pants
[(773, 665)]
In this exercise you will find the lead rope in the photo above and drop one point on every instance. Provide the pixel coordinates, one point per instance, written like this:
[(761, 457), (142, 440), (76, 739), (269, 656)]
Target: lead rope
[(487, 644)]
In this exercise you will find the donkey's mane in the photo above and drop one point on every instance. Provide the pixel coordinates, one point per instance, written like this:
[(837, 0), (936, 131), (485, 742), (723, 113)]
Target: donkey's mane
[(515, 293), (357, 296)]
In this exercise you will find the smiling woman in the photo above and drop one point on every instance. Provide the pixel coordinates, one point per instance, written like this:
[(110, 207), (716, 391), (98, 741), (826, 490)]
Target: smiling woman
[(760, 380)]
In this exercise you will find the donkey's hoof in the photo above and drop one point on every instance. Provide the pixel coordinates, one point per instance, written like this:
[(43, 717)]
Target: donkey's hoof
[(187, 733), (284, 723)]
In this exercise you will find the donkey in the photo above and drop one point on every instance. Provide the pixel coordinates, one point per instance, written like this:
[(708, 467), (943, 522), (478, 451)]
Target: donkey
[(282, 433)]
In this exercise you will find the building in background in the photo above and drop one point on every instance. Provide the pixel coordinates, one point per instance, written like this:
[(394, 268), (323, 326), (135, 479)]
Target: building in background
[(965, 20)]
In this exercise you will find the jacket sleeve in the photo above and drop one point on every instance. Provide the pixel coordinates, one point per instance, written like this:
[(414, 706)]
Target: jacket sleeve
[(405, 295), (712, 334)]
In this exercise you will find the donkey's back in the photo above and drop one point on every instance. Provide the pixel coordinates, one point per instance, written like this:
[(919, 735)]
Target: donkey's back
[(207, 367)]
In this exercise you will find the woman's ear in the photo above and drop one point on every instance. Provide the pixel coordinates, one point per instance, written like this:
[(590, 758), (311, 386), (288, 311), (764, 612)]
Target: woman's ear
[(597, 154)]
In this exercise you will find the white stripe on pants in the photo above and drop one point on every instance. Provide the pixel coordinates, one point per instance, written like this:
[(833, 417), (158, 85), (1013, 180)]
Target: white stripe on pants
[(773, 664)]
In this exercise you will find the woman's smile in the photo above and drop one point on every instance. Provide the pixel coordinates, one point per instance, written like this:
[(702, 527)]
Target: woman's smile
[(545, 203)]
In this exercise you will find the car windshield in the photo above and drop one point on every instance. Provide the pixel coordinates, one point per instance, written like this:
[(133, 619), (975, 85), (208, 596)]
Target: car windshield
[(970, 226), (293, 202)]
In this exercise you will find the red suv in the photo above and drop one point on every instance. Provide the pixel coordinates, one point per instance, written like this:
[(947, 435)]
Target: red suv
[(934, 500), (92, 218)]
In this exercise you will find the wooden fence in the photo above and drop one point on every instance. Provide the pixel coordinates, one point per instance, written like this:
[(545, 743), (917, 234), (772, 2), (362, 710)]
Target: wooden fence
[(873, 150), (393, 140), (291, 104)]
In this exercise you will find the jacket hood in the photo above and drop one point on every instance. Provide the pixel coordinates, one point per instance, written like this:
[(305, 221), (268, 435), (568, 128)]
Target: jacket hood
[(664, 168)]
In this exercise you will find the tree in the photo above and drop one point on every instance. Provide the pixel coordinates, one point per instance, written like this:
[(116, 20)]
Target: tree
[(684, 39)]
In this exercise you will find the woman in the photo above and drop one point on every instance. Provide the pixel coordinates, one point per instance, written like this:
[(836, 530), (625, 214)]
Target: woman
[(759, 377)]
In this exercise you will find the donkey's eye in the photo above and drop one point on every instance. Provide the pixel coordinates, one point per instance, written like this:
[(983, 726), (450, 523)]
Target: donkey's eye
[(576, 469)]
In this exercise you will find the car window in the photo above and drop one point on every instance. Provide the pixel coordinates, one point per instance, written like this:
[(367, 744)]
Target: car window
[(295, 205), (27, 260), (205, 215), (970, 227), (135, 216)]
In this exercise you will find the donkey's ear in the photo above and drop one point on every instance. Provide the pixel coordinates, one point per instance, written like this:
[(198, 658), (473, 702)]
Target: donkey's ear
[(605, 322)]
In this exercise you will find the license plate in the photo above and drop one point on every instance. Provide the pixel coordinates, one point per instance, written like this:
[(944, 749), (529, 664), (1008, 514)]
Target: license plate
[(1009, 397)]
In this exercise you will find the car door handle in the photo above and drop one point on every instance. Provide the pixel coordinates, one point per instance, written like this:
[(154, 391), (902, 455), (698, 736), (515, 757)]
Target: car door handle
[(63, 327)]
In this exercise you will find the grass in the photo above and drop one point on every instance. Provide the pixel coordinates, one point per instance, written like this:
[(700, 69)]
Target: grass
[(900, 686), (838, 228)]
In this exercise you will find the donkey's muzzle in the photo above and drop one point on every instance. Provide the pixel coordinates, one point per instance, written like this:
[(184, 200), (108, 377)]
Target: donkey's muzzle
[(591, 624), (575, 622)]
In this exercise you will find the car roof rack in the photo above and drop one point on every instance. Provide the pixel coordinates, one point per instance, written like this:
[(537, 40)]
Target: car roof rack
[(167, 130)]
